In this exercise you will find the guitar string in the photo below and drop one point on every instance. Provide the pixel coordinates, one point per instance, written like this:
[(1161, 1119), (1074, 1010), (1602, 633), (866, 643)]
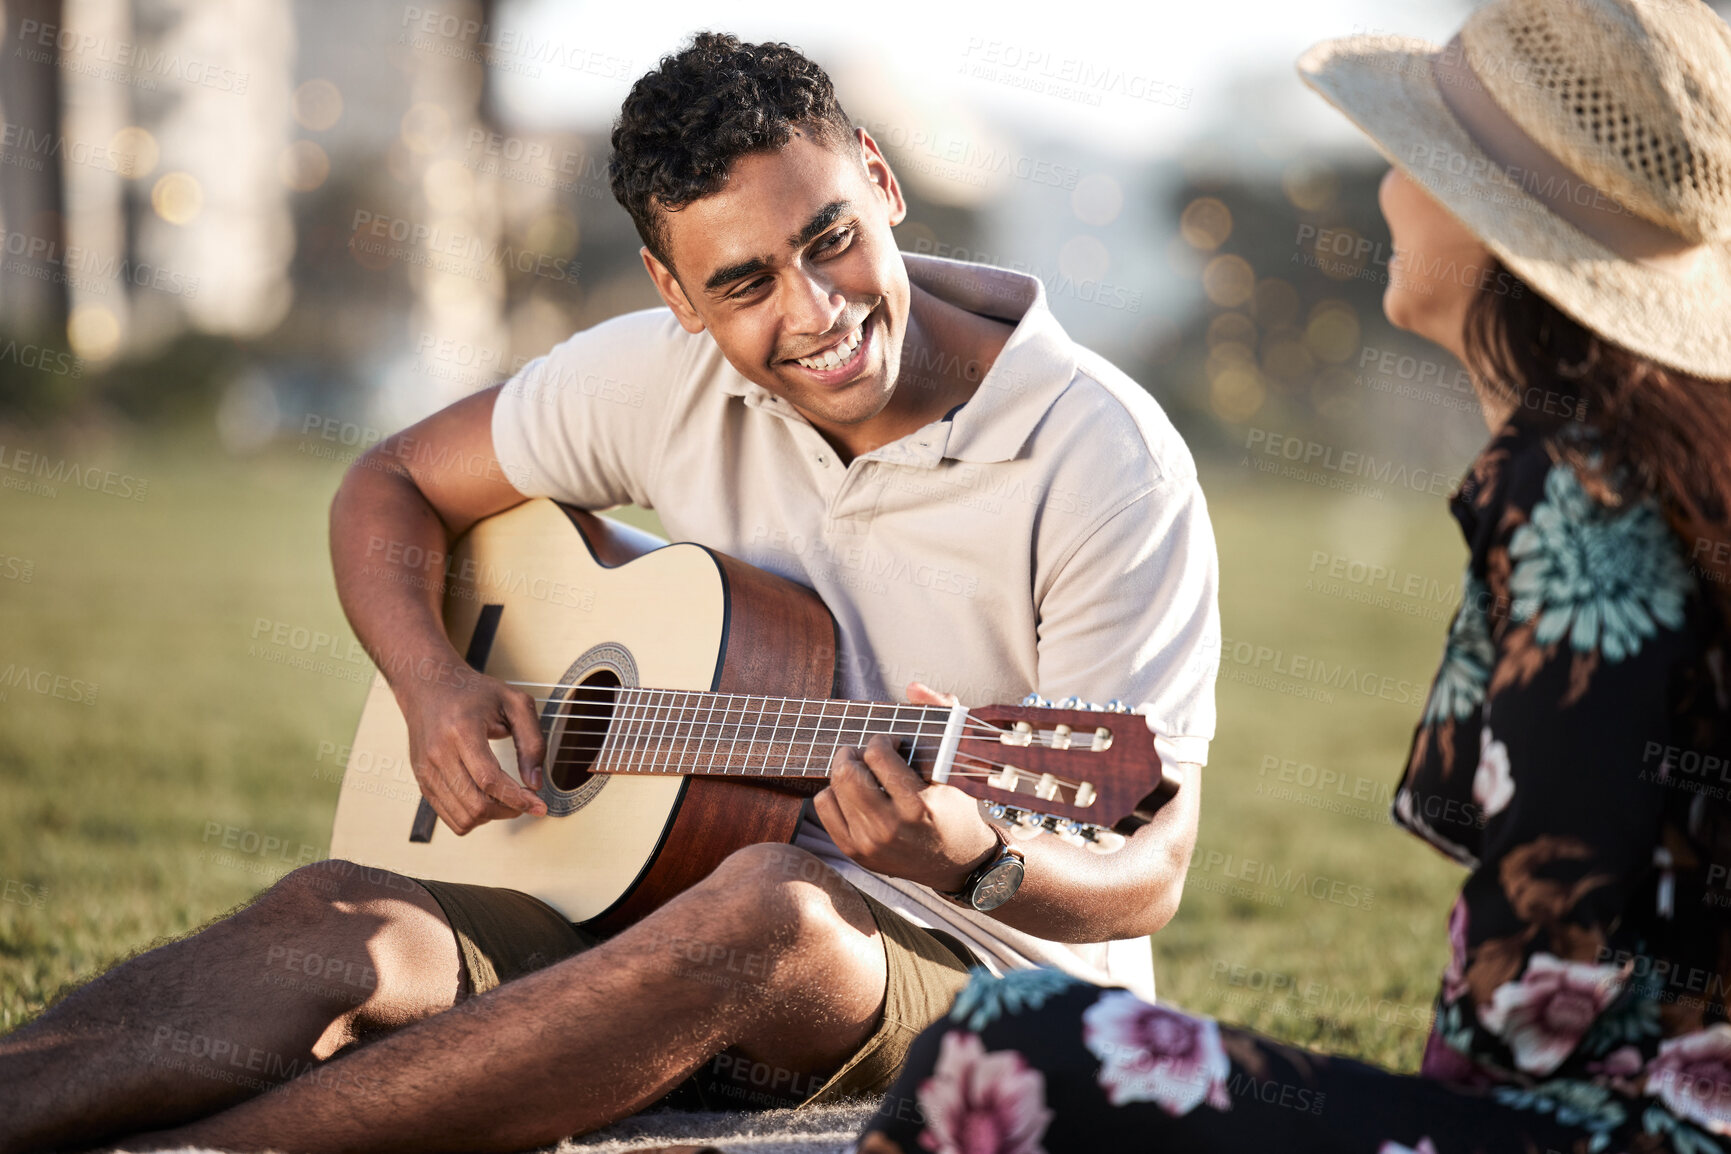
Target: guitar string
[(613, 693), (1044, 739), (984, 730), (683, 725), (991, 769)]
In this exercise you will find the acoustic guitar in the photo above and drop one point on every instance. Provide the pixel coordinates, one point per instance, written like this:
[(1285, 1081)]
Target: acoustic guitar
[(687, 699)]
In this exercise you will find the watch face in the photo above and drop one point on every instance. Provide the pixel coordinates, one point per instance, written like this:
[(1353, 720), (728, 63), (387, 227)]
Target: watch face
[(999, 885)]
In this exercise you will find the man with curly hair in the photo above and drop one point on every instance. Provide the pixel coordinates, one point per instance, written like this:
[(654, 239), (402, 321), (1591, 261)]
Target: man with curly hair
[(982, 504)]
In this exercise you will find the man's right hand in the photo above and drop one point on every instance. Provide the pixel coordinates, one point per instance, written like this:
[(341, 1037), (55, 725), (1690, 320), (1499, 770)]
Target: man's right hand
[(449, 727)]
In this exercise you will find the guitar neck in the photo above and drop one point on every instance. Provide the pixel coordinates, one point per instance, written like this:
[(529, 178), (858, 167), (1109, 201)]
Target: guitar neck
[(669, 731)]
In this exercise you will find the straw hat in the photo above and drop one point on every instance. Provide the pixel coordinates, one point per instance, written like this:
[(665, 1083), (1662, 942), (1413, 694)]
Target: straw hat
[(1587, 143)]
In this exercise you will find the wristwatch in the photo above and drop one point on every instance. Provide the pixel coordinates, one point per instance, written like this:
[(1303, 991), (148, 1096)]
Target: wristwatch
[(994, 883)]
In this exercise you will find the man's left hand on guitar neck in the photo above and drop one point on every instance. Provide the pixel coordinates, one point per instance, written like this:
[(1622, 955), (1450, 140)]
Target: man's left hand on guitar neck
[(890, 820)]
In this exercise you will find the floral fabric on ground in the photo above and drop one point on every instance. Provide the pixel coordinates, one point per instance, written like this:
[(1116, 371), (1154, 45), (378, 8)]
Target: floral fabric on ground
[(1574, 756)]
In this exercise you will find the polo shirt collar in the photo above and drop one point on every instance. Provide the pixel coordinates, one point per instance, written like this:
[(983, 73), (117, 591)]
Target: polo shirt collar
[(1035, 366)]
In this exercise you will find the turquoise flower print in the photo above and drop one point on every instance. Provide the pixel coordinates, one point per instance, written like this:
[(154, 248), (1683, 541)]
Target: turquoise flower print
[(985, 999), (1467, 658), (1600, 576), (1585, 1104)]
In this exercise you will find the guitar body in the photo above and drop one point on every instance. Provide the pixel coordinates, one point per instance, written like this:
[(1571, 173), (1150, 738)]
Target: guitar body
[(554, 596)]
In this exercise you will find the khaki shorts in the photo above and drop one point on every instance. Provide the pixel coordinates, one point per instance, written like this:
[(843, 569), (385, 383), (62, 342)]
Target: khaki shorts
[(503, 934)]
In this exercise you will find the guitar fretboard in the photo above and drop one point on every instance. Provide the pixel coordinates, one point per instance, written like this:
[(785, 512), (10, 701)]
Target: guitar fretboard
[(683, 732)]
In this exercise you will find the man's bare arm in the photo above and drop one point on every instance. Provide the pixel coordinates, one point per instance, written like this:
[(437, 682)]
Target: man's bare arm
[(392, 523), (884, 816)]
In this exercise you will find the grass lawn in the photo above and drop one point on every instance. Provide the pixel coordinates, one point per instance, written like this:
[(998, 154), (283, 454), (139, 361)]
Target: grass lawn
[(205, 766)]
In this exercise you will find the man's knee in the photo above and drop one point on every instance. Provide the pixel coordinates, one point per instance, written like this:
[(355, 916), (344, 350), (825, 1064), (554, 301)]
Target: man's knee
[(783, 896), (315, 892)]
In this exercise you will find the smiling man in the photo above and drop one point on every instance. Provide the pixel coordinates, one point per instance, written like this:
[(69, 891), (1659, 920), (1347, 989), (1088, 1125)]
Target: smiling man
[(987, 509)]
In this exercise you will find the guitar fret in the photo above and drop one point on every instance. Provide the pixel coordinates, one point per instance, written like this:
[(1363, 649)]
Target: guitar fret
[(722, 742), (602, 756), (719, 742), (652, 732), (639, 724), (684, 726), (751, 757)]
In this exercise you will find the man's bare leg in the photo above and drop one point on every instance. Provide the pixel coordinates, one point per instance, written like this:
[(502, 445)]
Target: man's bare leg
[(772, 955), (330, 954)]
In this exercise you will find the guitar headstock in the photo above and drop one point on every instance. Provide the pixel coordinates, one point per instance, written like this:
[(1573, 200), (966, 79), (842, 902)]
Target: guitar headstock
[(1086, 773)]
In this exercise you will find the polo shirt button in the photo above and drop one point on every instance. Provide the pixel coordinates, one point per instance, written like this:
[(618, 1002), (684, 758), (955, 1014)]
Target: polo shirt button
[(822, 460)]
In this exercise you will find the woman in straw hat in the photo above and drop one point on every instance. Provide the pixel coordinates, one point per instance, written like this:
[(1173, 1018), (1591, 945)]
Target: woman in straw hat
[(1560, 205)]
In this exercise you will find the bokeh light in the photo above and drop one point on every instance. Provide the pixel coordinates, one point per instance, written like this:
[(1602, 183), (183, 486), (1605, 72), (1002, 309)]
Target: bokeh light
[(318, 105), (1097, 199), (304, 166), (1206, 223), (426, 128), (93, 332), (177, 198), (1229, 281), (135, 152)]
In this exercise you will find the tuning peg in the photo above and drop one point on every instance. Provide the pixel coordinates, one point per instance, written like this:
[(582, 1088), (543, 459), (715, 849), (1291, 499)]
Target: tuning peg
[(1035, 701), (1068, 832), (1071, 703), (1116, 705), (1102, 841), (1028, 824)]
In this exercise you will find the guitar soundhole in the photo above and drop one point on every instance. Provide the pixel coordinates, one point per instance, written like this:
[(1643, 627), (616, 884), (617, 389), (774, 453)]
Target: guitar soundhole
[(586, 709)]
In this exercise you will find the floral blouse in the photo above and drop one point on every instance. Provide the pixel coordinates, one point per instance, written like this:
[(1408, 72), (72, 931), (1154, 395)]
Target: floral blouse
[(1572, 755)]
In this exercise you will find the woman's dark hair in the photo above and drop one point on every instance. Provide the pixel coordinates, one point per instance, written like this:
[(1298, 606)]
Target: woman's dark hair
[(684, 124), (1659, 431)]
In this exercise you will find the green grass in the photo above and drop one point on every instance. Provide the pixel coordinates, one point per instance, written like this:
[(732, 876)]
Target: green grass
[(113, 816)]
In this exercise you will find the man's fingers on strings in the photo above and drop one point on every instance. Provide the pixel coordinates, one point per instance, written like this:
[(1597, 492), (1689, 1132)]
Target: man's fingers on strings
[(526, 734), (890, 770), (834, 822), (497, 786)]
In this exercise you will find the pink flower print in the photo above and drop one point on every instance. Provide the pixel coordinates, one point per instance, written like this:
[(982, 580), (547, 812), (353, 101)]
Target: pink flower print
[(1152, 1054), (1543, 1016), (1425, 1146), (982, 1103), (1493, 784), (1622, 1062), (1692, 1076), (1455, 977)]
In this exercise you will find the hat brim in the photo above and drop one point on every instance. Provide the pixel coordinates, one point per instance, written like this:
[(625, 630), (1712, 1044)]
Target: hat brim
[(1678, 318)]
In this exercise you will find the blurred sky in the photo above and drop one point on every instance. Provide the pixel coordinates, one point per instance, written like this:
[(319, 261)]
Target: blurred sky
[(1218, 51)]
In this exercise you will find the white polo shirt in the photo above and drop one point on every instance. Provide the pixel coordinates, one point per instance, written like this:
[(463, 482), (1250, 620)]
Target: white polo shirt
[(1049, 536)]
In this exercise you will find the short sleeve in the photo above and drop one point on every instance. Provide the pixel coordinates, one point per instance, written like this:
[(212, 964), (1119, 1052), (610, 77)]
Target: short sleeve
[(1133, 613), (584, 424)]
